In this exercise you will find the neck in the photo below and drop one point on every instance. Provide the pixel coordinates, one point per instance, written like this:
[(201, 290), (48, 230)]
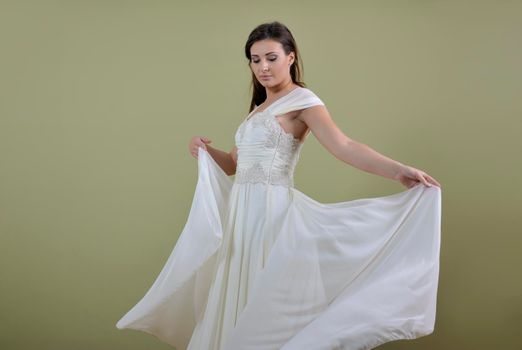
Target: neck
[(275, 91)]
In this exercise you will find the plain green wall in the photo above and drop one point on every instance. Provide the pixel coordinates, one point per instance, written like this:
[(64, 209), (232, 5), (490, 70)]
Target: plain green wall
[(100, 98)]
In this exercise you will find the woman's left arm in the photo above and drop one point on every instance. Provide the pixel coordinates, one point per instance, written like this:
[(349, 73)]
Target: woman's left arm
[(358, 154)]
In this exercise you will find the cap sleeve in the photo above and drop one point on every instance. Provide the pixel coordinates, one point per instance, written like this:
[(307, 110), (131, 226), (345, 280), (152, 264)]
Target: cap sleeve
[(303, 99)]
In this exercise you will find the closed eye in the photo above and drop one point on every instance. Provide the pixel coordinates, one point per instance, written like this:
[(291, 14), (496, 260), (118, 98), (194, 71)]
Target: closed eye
[(270, 59)]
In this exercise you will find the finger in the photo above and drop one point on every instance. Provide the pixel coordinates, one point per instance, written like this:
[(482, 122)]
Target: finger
[(421, 177), (431, 180), (426, 182)]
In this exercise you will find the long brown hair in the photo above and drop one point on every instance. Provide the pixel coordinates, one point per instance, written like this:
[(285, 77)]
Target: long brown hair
[(279, 32)]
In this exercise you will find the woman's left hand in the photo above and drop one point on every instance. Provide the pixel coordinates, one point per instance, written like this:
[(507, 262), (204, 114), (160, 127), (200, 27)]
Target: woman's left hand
[(410, 177)]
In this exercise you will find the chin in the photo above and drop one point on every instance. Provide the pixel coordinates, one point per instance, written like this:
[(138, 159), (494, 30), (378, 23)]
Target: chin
[(267, 83)]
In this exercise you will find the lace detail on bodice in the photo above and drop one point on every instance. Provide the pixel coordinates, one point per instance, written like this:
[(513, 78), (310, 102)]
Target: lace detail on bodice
[(279, 152), (257, 173), (266, 152)]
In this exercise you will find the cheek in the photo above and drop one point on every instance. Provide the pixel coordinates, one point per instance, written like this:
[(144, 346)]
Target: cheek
[(280, 66)]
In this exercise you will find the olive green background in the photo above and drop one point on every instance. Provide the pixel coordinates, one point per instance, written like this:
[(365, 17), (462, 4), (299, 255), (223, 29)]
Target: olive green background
[(99, 100)]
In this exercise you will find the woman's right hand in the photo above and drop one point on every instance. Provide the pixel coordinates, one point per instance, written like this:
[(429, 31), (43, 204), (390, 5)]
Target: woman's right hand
[(196, 142)]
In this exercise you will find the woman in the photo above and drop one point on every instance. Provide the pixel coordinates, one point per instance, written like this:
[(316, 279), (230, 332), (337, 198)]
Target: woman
[(260, 265)]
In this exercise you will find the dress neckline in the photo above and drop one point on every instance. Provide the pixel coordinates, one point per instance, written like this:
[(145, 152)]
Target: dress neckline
[(255, 110)]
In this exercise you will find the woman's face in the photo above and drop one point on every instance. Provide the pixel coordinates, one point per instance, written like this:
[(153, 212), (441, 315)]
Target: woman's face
[(269, 62)]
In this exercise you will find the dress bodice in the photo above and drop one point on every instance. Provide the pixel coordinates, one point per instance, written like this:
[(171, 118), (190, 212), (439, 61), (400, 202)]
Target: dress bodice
[(266, 152)]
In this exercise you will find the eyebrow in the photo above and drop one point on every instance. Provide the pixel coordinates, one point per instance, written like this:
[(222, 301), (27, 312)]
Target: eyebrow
[(266, 54)]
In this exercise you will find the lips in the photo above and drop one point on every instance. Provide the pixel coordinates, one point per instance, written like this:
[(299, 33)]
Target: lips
[(265, 76)]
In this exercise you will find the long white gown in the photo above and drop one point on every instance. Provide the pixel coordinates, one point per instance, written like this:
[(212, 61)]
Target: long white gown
[(259, 265)]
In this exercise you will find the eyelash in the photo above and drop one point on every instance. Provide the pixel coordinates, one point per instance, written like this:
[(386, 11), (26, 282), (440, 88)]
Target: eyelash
[(268, 59)]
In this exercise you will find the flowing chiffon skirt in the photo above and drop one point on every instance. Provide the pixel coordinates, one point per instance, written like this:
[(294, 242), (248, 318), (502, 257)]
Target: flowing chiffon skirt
[(262, 266)]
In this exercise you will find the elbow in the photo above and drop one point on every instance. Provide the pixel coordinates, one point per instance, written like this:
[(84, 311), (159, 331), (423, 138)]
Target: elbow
[(232, 169), (231, 164)]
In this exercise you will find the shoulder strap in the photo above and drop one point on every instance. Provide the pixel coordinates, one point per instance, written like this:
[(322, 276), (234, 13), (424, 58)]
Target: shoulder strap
[(302, 99)]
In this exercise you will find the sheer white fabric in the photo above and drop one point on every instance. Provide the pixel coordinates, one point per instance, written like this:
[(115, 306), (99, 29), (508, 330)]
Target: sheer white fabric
[(259, 265)]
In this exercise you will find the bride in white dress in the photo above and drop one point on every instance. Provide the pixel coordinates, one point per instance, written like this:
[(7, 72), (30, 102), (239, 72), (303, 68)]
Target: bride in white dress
[(260, 265)]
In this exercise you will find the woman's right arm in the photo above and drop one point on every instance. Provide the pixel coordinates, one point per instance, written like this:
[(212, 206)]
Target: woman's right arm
[(226, 160)]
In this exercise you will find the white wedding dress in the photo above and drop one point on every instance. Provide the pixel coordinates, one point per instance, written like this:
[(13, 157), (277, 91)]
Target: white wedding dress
[(259, 265)]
